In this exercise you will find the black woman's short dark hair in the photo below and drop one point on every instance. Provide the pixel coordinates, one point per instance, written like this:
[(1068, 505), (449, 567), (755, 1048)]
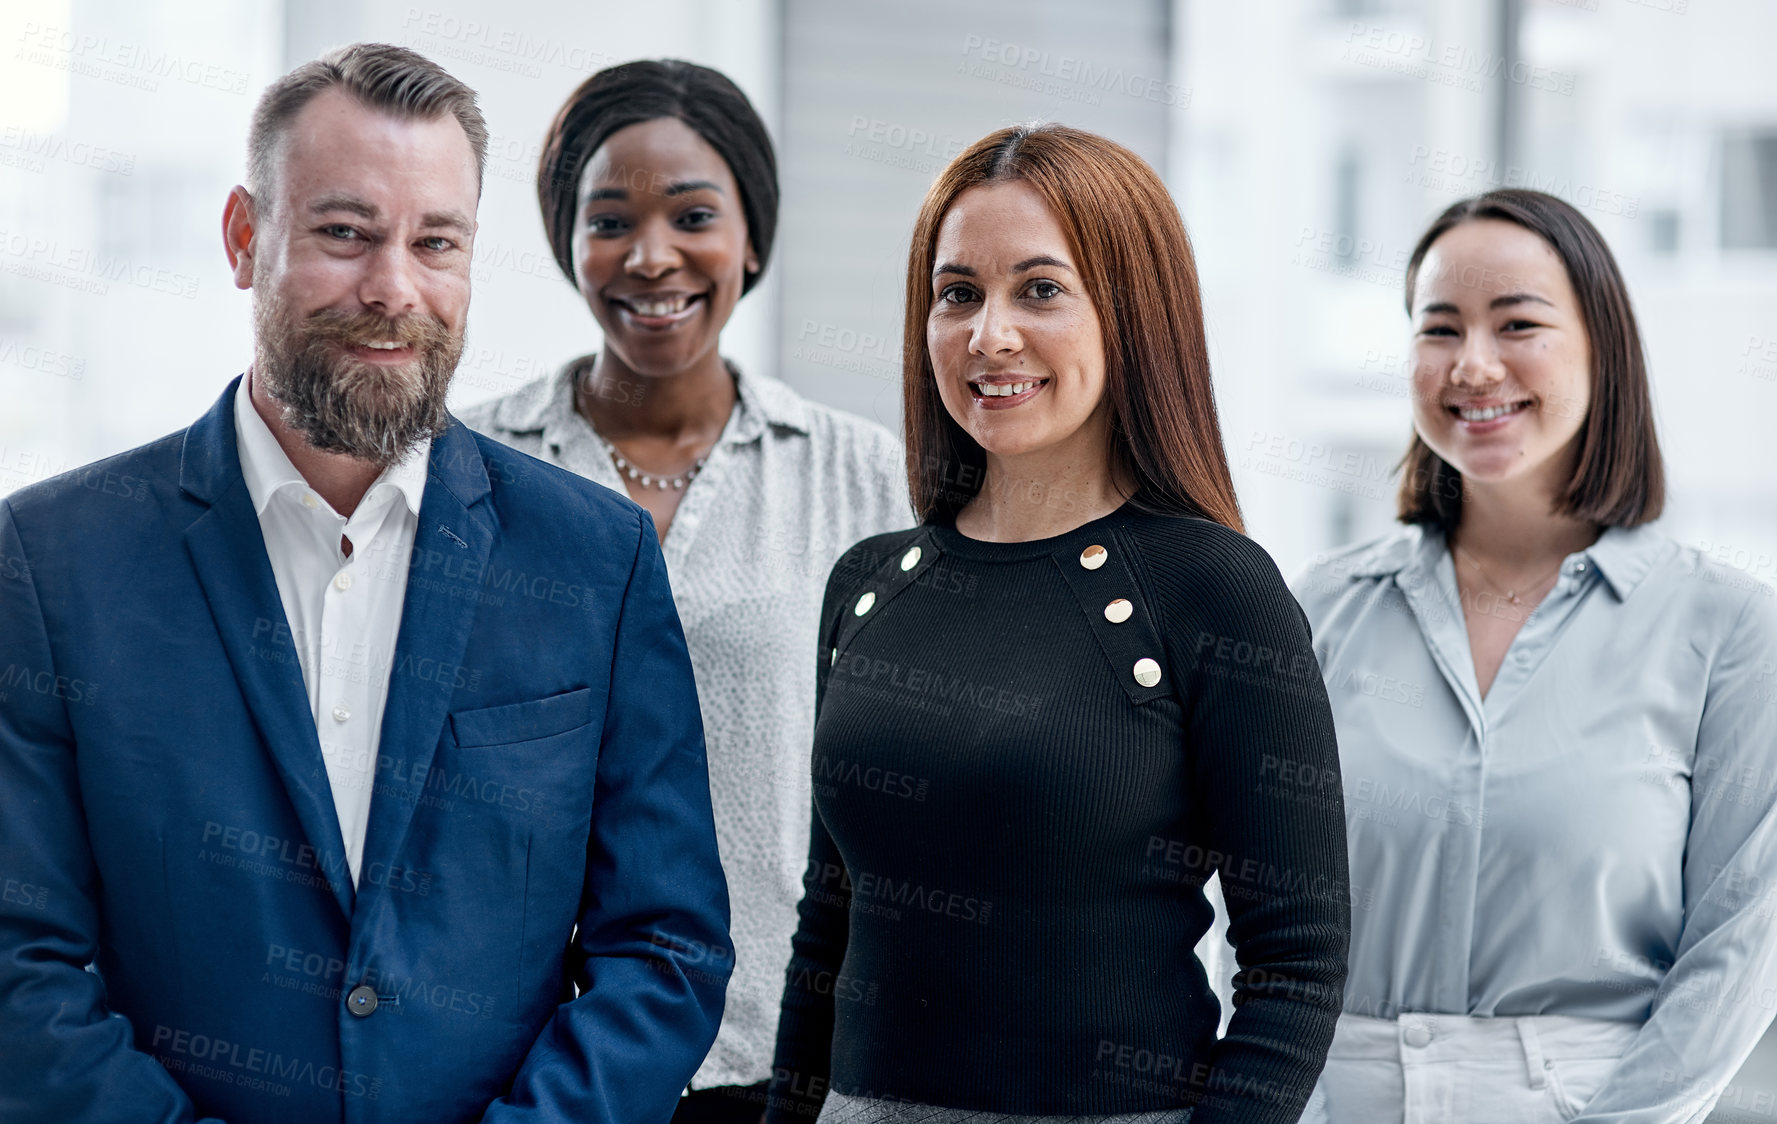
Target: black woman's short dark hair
[(1619, 479), (616, 98)]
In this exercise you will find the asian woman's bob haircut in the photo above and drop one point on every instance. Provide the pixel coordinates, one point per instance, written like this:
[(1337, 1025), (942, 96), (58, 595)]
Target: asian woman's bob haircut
[(1619, 479)]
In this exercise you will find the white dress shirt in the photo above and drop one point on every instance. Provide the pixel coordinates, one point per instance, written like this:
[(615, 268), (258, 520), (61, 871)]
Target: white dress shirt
[(1596, 836), (343, 612)]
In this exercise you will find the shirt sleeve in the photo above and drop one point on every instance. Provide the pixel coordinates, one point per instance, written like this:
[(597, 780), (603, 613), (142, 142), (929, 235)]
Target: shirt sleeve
[(1718, 996), (896, 500), (802, 1066), (874, 475), (1257, 720)]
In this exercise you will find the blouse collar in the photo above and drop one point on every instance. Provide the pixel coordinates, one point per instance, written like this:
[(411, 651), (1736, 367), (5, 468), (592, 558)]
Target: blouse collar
[(550, 402), (1623, 555)]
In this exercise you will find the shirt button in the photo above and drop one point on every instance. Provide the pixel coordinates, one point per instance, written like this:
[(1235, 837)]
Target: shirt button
[(910, 559), (361, 1001), (1521, 657), (341, 712), (342, 581), (1147, 672), (1418, 1035), (864, 603), (309, 501)]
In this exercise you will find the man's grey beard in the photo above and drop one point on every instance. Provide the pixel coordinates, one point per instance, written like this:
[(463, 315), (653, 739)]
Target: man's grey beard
[(342, 405)]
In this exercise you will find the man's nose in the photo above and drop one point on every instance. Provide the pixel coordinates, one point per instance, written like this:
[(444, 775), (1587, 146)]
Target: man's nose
[(389, 283)]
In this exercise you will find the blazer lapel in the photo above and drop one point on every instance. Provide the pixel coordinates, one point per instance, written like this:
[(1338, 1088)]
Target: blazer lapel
[(450, 552), (228, 551)]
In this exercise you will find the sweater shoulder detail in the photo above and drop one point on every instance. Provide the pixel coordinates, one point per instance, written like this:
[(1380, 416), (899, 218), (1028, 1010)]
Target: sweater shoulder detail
[(892, 563), (854, 568), (1121, 614)]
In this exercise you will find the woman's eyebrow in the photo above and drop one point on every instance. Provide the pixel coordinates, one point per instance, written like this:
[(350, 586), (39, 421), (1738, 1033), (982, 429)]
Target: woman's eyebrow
[(670, 190), (1027, 263), (683, 186), (1518, 298)]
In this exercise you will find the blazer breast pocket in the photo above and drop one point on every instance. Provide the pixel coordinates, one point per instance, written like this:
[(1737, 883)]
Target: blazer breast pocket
[(516, 723)]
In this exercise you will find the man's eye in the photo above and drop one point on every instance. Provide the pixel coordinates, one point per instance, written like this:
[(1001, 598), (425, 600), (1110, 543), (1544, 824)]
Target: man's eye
[(437, 245), (340, 231)]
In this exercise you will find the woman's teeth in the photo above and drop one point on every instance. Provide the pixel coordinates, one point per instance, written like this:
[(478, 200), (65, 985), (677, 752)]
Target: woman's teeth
[(643, 306), (1469, 413), (1005, 389)]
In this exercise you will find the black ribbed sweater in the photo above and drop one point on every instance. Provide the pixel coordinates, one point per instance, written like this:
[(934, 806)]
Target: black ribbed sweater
[(1011, 832)]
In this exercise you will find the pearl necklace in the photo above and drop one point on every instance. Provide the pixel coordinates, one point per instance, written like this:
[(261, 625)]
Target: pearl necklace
[(646, 479), (630, 471)]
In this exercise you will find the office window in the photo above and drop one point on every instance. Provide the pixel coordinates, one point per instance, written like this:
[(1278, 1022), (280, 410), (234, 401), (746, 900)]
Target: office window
[(1749, 190)]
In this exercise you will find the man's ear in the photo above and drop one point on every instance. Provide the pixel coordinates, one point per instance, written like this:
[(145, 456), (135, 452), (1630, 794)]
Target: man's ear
[(239, 225)]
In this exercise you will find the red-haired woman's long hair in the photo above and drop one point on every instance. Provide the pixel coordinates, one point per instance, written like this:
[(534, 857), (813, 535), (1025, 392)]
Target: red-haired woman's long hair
[(1135, 259)]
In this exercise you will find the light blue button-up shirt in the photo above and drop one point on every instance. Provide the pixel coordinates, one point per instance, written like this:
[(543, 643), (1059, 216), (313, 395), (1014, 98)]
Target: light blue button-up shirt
[(1597, 836)]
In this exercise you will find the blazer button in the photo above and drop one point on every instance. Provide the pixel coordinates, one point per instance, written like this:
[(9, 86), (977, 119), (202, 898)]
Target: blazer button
[(1147, 672), (910, 559), (1093, 556), (1118, 611), (864, 603), (361, 1001)]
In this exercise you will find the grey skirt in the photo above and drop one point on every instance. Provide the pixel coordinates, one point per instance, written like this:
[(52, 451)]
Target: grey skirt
[(841, 1109)]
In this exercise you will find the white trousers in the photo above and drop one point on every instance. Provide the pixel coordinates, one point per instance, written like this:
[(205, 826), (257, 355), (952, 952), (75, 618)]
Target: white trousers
[(1454, 1069)]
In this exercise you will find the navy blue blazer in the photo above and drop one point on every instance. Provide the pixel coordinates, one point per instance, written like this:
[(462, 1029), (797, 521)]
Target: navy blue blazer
[(540, 924)]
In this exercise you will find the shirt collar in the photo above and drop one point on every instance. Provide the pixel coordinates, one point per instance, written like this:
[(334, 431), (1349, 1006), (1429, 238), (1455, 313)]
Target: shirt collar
[(1392, 554), (408, 477), (268, 471), (772, 401), (1623, 555), (263, 463), (550, 402)]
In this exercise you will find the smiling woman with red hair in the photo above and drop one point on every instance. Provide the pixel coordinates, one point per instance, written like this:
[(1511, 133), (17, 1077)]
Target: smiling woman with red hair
[(1047, 715)]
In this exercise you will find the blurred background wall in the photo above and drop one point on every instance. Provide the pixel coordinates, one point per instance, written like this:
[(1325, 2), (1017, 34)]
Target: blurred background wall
[(1307, 143)]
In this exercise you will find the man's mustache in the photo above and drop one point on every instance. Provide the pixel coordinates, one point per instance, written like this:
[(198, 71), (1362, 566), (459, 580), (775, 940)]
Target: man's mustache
[(421, 332)]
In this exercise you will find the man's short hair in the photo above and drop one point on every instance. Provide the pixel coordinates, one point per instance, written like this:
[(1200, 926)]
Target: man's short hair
[(395, 80)]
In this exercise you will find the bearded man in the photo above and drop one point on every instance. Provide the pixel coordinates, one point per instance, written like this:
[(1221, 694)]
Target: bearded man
[(350, 762)]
